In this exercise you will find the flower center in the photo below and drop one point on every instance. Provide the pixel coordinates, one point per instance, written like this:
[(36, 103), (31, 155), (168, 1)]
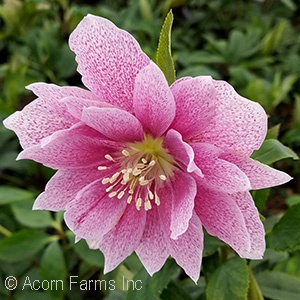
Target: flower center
[(143, 167)]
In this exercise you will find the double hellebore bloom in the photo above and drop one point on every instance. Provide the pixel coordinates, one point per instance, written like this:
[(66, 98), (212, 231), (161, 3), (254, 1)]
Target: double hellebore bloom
[(142, 165)]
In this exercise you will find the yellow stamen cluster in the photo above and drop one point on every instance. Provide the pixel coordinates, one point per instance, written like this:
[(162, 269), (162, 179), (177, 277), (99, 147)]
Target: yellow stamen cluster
[(143, 167)]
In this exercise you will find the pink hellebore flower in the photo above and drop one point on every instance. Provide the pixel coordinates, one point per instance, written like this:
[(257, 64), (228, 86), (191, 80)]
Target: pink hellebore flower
[(143, 166)]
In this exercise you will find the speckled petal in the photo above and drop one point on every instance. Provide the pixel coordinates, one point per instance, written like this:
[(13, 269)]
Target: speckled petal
[(92, 213), (219, 174), (153, 248), (195, 105), (45, 115), (63, 187), (64, 149), (108, 59), (187, 249), (239, 124), (177, 202), (182, 152), (117, 124), (254, 226), (153, 101), (261, 176), (75, 105), (122, 240), (222, 217)]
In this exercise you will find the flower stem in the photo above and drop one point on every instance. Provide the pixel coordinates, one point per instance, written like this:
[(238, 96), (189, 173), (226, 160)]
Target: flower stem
[(5, 231)]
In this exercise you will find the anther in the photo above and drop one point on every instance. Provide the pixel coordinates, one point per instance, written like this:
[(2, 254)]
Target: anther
[(125, 152), (109, 157), (126, 177), (105, 180), (121, 194), (140, 166), (144, 182), (152, 163), (129, 199), (163, 177), (136, 172), (114, 177), (109, 188), (157, 200), (101, 168), (147, 205), (112, 194), (151, 196), (138, 203)]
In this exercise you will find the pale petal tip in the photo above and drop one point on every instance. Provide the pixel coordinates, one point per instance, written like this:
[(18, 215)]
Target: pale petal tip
[(10, 120), (174, 236), (93, 244), (36, 205), (32, 86), (287, 178), (77, 239), (21, 155)]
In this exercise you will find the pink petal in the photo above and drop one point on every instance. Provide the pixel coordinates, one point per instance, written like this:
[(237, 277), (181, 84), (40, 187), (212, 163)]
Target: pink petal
[(177, 203), (45, 115), (79, 146), (122, 240), (253, 224), (221, 217), (153, 101), (261, 176), (153, 248), (219, 174), (76, 105), (63, 187), (239, 124), (93, 214), (187, 249), (195, 105), (93, 244), (182, 152), (108, 59), (117, 124)]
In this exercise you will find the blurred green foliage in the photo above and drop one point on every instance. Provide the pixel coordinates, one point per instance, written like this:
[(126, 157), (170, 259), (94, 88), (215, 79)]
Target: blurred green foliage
[(255, 45)]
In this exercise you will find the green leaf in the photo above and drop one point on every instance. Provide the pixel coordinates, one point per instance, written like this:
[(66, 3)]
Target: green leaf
[(152, 287), (279, 286), (22, 245), (146, 10), (163, 56), (254, 292), (32, 295), (292, 136), (273, 132), (271, 151), (260, 197), (211, 244), (229, 281), (92, 257), (291, 265), (123, 275), (31, 218), (296, 111), (9, 194), (292, 200), (175, 292), (274, 37), (290, 4), (286, 234), (53, 269)]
